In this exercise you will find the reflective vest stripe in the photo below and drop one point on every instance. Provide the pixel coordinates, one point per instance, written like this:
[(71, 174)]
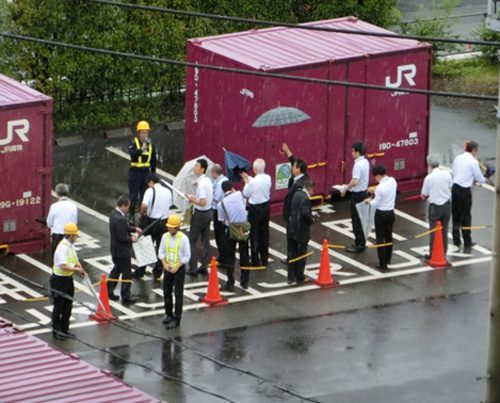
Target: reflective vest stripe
[(172, 254), (72, 259), (140, 161)]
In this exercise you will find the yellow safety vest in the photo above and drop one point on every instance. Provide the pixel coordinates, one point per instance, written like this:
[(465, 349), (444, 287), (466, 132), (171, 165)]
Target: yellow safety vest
[(72, 259), (172, 254), (144, 161)]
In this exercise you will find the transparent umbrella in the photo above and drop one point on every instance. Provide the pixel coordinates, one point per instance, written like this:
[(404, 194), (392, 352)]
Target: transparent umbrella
[(282, 115), (185, 181)]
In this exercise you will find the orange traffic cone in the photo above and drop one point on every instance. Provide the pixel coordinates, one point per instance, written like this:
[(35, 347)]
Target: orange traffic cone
[(213, 296), (103, 313), (325, 278), (438, 258)]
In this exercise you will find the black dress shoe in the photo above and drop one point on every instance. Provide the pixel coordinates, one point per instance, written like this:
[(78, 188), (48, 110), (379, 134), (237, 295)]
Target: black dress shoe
[(192, 273), (58, 336), (69, 334), (227, 287), (172, 325), (427, 257), (244, 286), (113, 297), (203, 271), (129, 300), (355, 249), (379, 267), (167, 319)]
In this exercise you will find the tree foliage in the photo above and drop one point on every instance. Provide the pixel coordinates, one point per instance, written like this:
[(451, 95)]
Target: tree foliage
[(92, 90)]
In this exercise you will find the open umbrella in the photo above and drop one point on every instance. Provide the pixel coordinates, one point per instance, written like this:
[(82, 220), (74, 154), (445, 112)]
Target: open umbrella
[(235, 165), (185, 181), (283, 115)]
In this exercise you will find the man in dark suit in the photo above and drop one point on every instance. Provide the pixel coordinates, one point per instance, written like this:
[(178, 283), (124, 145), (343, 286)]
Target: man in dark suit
[(120, 232), (299, 231), (296, 182)]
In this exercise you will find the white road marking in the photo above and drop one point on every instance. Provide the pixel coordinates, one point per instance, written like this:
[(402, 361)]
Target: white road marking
[(124, 155)]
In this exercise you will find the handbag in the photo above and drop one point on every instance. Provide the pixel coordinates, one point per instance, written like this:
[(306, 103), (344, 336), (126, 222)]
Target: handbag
[(238, 231)]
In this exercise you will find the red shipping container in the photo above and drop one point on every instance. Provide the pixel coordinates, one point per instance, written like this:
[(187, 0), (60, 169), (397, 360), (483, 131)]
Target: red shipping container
[(221, 107), (26, 165)]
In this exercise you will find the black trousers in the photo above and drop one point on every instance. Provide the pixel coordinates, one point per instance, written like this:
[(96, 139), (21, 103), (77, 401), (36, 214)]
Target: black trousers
[(200, 227), (137, 186), (384, 220), (55, 239), (258, 216), (461, 204), (122, 266), (174, 282), (156, 231), (244, 259), (61, 312), (219, 229), (296, 269), (439, 213), (357, 229)]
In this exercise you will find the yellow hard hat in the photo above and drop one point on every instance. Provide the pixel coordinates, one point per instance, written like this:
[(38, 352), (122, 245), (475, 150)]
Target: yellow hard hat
[(71, 229), (143, 125), (174, 221)]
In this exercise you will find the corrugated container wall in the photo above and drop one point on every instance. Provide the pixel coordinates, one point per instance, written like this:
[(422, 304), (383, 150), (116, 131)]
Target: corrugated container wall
[(26, 164), (221, 107)]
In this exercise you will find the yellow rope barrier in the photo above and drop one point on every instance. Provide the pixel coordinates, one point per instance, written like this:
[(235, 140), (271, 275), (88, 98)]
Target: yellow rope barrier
[(296, 259), (333, 246), (35, 299), (252, 267), (476, 227), (426, 233), (380, 245)]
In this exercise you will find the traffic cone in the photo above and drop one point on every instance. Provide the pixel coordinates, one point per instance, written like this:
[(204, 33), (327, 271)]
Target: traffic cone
[(438, 258), (213, 296), (325, 278), (103, 313)]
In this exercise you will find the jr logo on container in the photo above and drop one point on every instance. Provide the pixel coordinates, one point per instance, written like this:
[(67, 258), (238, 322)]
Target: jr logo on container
[(405, 73), (15, 128)]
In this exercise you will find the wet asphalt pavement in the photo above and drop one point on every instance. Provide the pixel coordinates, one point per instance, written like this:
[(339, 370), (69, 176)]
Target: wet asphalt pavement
[(409, 335)]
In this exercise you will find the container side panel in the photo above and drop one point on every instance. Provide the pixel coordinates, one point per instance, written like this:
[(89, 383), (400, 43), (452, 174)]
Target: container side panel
[(397, 122), (25, 160)]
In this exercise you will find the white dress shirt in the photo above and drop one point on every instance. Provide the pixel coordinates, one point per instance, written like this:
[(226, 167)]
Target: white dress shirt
[(204, 190), (61, 213), (162, 203), (466, 170), (361, 171), (385, 194), (437, 186), (234, 204), (184, 248), (258, 189), (218, 192)]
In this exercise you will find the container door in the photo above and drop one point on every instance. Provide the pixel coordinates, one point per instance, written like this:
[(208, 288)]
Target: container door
[(25, 191)]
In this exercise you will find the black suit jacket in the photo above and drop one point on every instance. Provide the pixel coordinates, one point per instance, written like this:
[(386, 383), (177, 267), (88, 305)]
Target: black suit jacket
[(301, 219), (293, 186), (119, 231)]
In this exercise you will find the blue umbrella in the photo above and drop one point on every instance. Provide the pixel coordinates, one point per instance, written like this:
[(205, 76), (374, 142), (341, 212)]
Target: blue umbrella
[(235, 165)]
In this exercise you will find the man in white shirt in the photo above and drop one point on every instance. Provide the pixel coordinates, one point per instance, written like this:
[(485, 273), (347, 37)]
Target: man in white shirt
[(174, 253), (437, 190), (232, 209), (465, 173), (384, 203), (358, 186), (202, 216), (219, 228), (60, 213), (258, 192), (154, 211)]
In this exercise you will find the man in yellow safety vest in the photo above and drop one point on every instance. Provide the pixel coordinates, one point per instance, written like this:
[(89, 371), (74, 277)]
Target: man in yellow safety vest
[(142, 162), (174, 253), (61, 282)]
